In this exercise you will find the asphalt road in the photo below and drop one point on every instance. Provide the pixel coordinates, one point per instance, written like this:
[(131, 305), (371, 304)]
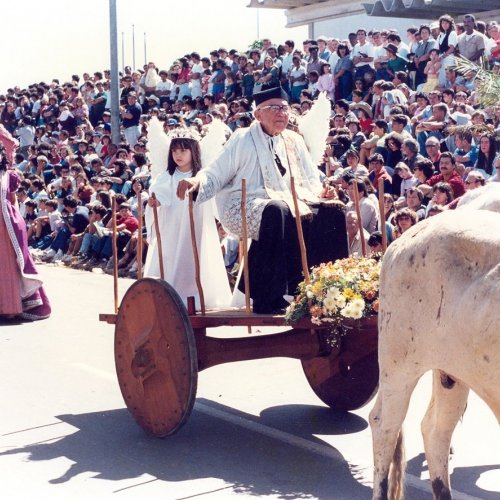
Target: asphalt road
[(256, 431)]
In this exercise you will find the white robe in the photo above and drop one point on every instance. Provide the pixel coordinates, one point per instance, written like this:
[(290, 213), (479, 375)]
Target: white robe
[(178, 258), (249, 154)]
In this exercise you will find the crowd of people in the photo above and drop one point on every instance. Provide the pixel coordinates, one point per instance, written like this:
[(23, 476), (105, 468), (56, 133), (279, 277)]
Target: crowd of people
[(402, 117)]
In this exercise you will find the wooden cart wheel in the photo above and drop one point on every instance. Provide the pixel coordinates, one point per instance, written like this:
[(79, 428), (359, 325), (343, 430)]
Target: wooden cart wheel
[(155, 357), (347, 378)]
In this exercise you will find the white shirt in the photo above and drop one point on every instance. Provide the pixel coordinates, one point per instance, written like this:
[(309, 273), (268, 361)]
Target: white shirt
[(366, 50)]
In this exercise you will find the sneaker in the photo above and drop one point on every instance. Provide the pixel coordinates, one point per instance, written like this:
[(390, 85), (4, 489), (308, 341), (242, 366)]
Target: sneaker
[(58, 256), (48, 255)]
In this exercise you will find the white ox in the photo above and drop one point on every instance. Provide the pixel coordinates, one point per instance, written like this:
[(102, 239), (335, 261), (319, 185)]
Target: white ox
[(439, 288)]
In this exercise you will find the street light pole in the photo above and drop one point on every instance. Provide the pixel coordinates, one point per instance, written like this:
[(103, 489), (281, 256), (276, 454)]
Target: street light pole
[(114, 81), (133, 47), (123, 51)]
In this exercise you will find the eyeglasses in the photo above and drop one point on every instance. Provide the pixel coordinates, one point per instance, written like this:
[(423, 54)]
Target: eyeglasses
[(275, 108), (403, 217), (431, 145)]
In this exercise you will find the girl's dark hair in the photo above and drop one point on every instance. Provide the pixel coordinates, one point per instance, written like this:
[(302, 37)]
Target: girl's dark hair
[(140, 159), (138, 181), (105, 198), (185, 143), (446, 17), (343, 46), (445, 188), (486, 162)]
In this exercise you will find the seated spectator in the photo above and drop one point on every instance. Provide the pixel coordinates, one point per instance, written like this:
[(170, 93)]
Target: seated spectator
[(408, 180), (357, 136), (354, 235), (415, 201), (449, 175), (368, 208), (376, 142), (74, 224), (486, 155), (434, 127), (404, 219), (442, 195), (466, 153), (379, 173), (475, 179)]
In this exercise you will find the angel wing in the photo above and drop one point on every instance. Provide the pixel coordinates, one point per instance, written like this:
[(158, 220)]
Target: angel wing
[(159, 144), (213, 142), (314, 127)]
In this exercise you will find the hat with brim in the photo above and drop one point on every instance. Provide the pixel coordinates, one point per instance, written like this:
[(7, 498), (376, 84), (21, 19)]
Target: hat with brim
[(268, 94), (460, 118), (364, 106), (390, 47)]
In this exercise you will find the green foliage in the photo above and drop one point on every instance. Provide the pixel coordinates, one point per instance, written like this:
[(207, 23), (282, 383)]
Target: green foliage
[(487, 82)]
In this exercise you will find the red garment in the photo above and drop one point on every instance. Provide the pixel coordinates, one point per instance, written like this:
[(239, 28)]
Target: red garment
[(131, 223), (455, 181)]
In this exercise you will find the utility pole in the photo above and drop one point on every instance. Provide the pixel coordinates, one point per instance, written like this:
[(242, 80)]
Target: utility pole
[(114, 83)]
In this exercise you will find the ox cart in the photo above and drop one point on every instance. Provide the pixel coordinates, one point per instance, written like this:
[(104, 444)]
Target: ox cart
[(160, 346)]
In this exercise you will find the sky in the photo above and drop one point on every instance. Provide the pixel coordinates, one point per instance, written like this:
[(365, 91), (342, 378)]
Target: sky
[(42, 40)]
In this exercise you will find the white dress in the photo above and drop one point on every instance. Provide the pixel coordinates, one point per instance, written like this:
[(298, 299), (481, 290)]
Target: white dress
[(178, 258)]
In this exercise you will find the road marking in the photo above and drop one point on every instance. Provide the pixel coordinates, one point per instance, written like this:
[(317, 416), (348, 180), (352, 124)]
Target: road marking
[(323, 450)]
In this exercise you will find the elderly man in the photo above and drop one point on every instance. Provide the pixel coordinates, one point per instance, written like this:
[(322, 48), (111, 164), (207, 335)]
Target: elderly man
[(267, 155)]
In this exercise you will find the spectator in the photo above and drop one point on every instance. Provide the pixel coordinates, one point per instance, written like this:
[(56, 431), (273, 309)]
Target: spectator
[(449, 175), (404, 219)]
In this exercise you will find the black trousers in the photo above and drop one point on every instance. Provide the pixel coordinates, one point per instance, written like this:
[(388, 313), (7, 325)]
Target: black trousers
[(274, 261)]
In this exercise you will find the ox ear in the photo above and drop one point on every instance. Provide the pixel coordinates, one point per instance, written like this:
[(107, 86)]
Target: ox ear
[(425, 189)]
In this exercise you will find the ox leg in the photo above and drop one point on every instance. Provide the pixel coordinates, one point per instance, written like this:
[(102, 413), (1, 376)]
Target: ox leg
[(448, 402), (386, 419)]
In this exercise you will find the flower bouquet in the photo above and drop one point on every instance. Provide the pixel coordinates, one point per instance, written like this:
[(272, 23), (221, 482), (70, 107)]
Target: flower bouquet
[(346, 289)]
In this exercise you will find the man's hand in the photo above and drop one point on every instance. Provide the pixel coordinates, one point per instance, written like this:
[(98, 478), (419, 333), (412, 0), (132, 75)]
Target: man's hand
[(153, 202), (187, 186)]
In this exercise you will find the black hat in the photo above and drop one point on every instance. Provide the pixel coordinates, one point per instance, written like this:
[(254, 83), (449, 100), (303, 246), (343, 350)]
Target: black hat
[(272, 93), (391, 48)]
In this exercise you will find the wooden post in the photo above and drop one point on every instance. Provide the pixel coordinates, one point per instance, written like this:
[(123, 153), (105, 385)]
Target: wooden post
[(158, 237), (115, 253), (139, 238), (300, 234), (355, 196), (383, 229), (244, 246), (195, 255)]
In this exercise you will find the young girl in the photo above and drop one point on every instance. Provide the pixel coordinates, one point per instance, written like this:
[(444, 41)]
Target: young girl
[(184, 160), (432, 71)]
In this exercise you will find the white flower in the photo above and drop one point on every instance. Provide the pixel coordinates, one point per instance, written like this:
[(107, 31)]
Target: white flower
[(358, 304), (330, 303), (333, 292), (309, 294)]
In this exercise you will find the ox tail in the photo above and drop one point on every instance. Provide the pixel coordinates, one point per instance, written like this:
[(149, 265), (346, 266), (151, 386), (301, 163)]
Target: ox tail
[(397, 470)]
